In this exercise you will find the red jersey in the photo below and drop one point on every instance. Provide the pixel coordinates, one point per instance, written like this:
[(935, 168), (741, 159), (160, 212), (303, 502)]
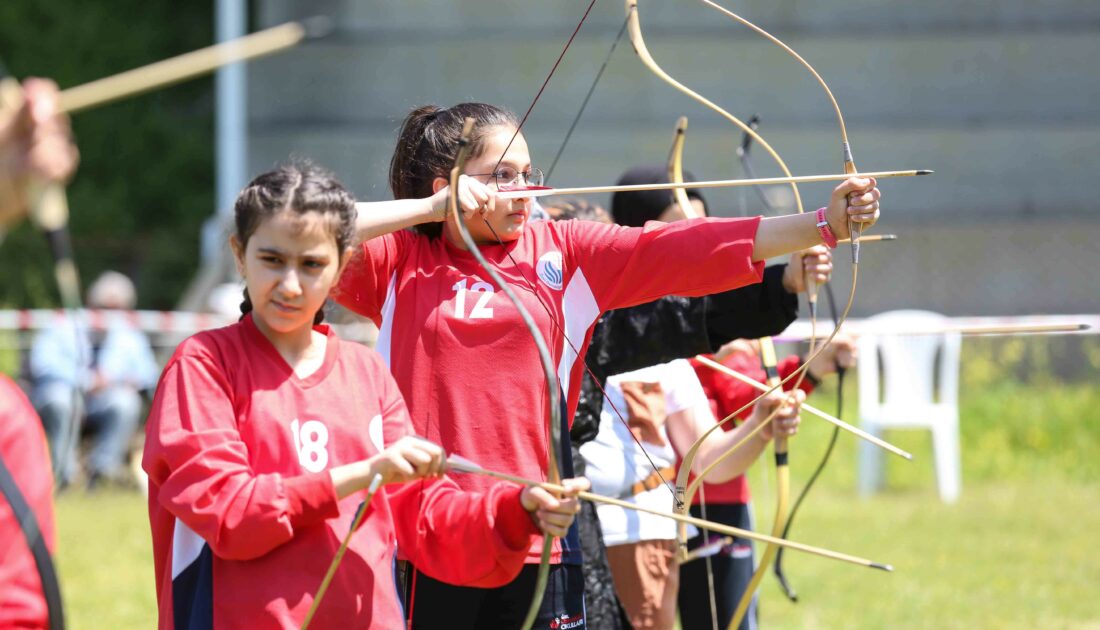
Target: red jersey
[(244, 515), (727, 395), (27, 456), (467, 365)]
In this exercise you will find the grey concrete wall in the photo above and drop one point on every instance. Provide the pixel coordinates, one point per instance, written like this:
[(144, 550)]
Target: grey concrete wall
[(997, 96)]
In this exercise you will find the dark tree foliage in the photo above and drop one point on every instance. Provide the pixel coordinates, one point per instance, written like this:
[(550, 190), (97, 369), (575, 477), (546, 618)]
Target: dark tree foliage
[(146, 177)]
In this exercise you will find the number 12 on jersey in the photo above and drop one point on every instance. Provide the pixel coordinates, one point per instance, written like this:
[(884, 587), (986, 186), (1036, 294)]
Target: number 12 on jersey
[(480, 309)]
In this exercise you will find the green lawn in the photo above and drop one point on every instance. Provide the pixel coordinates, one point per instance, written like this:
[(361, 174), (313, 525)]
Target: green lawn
[(105, 560), (1018, 550)]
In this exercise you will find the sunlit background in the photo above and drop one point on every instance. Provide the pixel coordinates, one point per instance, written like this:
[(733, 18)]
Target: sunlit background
[(999, 98)]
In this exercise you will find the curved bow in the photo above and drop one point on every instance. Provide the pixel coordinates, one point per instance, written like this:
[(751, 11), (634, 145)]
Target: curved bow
[(676, 175), (634, 27), (676, 169), (854, 227), (635, 31), (846, 149), (841, 371), (684, 495), (855, 230), (554, 472)]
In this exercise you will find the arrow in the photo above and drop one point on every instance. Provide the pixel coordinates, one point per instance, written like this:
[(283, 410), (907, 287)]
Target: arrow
[(545, 191)]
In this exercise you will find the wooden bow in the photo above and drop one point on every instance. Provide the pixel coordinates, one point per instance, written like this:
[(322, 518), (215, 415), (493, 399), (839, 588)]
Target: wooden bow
[(554, 472)]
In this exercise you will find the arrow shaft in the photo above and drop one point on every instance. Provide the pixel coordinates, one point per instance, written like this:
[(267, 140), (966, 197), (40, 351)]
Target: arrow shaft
[(815, 411), (720, 183), (691, 520), (180, 68)]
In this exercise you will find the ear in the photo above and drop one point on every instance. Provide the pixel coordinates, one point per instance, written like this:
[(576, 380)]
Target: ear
[(238, 253), (439, 183)]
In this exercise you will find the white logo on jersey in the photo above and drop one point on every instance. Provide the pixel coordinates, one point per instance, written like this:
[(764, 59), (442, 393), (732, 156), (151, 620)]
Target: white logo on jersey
[(374, 429), (549, 270)]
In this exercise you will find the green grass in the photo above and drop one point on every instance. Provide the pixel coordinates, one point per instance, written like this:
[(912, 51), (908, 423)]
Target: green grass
[(1017, 551), (105, 560)]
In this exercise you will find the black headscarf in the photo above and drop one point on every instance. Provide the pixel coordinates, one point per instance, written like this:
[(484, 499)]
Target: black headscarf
[(635, 208)]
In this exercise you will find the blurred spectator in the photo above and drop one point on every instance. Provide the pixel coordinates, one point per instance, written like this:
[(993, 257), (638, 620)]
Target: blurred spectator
[(95, 374)]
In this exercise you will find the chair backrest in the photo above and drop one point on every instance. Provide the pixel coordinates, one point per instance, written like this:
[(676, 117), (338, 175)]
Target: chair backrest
[(916, 370)]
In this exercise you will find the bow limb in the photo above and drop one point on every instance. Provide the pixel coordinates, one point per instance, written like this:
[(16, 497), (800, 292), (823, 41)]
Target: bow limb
[(783, 485), (375, 483), (785, 584), (554, 473), (676, 175), (849, 163), (634, 27), (635, 30), (676, 169), (192, 64), (846, 151)]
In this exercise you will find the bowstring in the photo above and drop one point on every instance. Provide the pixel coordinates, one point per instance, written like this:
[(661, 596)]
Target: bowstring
[(545, 83), (584, 103), (603, 392)]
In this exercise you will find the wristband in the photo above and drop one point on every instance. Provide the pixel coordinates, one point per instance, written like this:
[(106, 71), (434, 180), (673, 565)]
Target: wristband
[(824, 230)]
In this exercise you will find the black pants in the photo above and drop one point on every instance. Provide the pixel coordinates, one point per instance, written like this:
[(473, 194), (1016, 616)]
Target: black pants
[(601, 604), (435, 604), (732, 568)]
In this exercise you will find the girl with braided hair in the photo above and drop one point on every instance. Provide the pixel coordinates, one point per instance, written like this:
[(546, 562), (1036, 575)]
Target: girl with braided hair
[(264, 434)]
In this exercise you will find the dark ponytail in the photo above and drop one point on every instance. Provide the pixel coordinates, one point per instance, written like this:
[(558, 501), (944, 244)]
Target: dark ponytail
[(301, 188), (428, 143)]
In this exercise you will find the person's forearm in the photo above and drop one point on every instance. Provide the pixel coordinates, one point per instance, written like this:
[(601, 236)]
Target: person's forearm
[(779, 236), (736, 464), (351, 478), (384, 217)]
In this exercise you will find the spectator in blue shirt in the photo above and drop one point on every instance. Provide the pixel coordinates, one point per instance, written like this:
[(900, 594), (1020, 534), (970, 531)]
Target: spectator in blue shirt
[(98, 375)]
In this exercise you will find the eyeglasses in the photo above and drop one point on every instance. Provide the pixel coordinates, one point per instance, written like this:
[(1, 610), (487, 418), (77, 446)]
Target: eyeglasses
[(508, 176)]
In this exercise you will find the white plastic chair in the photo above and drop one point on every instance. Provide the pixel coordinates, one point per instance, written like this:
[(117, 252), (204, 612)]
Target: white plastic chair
[(919, 389)]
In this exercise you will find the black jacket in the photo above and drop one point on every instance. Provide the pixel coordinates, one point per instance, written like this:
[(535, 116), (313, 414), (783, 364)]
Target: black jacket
[(677, 327)]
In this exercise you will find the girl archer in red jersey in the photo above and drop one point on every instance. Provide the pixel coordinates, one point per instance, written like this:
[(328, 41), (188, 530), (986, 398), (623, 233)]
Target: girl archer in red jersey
[(263, 434), (464, 363)]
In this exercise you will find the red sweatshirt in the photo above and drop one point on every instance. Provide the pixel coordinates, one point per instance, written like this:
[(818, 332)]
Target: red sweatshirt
[(23, 447), (726, 395), (244, 515), (462, 357)]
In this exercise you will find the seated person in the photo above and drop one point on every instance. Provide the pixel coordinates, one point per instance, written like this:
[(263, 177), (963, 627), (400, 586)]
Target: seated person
[(98, 374)]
